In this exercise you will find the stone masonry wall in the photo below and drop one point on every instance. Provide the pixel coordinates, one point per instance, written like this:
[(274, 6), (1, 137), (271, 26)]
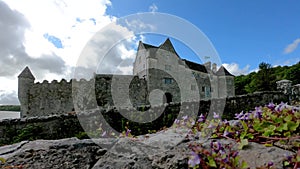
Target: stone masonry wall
[(50, 98), (46, 98), (68, 125)]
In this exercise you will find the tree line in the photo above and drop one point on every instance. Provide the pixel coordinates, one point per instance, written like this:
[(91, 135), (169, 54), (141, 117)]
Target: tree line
[(266, 77)]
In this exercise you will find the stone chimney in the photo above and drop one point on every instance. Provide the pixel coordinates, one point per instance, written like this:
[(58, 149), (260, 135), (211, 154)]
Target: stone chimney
[(214, 67), (208, 66)]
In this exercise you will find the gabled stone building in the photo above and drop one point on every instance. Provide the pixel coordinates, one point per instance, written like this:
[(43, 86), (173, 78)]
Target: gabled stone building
[(163, 69), (157, 71)]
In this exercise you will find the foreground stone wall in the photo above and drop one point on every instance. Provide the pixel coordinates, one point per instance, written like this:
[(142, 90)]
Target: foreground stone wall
[(68, 125)]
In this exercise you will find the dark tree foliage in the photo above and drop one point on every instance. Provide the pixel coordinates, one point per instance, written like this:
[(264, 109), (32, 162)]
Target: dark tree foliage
[(265, 79)]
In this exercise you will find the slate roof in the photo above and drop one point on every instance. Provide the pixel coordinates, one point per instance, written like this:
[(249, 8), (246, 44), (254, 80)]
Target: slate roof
[(148, 46), (195, 66), (223, 71), (26, 73), (167, 45)]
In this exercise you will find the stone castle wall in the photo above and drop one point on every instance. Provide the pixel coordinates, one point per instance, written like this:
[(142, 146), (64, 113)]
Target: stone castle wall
[(44, 99), (68, 125), (50, 98)]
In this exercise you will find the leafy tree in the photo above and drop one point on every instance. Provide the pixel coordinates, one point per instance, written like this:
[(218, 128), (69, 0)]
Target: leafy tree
[(265, 79)]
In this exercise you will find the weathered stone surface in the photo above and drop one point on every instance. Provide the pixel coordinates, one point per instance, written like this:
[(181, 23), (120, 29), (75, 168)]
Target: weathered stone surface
[(166, 149)]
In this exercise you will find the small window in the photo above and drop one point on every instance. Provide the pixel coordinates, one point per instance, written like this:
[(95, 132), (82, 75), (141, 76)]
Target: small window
[(203, 89), (168, 81)]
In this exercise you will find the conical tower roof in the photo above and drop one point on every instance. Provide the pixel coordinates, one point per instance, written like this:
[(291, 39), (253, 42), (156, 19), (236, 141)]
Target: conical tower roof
[(26, 73)]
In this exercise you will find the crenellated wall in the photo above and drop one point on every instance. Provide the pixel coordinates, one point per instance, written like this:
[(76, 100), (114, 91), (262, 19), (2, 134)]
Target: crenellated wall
[(49, 98)]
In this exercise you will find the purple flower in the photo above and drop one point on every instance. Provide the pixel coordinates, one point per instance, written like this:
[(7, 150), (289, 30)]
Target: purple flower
[(236, 153), (216, 146), (239, 116), (216, 116), (128, 132), (288, 157), (193, 123), (104, 134), (225, 160), (194, 159), (271, 106), (280, 107), (210, 126), (258, 112), (201, 118), (177, 121), (226, 122), (226, 133), (185, 118), (242, 116), (270, 164)]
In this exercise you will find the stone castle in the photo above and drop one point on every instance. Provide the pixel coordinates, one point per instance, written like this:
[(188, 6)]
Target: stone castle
[(157, 71)]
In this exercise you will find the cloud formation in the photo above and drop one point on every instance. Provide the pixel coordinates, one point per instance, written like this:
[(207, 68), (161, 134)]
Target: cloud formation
[(235, 69), (8, 98), (12, 50), (292, 47), (50, 35)]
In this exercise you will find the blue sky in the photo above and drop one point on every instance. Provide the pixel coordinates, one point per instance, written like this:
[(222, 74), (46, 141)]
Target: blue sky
[(243, 32)]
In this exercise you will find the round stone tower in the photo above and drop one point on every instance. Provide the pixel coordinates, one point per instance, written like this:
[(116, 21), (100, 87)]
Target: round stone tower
[(25, 82)]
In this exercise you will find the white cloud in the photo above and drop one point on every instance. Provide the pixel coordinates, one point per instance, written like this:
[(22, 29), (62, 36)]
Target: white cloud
[(235, 69), (74, 23), (292, 47), (153, 8), (8, 98)]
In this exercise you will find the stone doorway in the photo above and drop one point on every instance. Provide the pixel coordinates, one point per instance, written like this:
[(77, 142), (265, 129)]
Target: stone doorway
[(168, 98)]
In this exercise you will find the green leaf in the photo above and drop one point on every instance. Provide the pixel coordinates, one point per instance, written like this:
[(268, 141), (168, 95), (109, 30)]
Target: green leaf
[(268, 145), (277, 120), (2, 160), (236, 161), (243, 134), (258, 127), (244, 165), (286, 163), (272, 127), (244, 142), (288, 118), (287, 134), (211, 162), (244, 125), (268, 133), (292, 125), (250, 135), (282, 127), (298, 159)]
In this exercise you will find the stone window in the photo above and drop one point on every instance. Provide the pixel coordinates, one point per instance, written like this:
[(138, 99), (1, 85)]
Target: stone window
[(168, 80), (203, 89)]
